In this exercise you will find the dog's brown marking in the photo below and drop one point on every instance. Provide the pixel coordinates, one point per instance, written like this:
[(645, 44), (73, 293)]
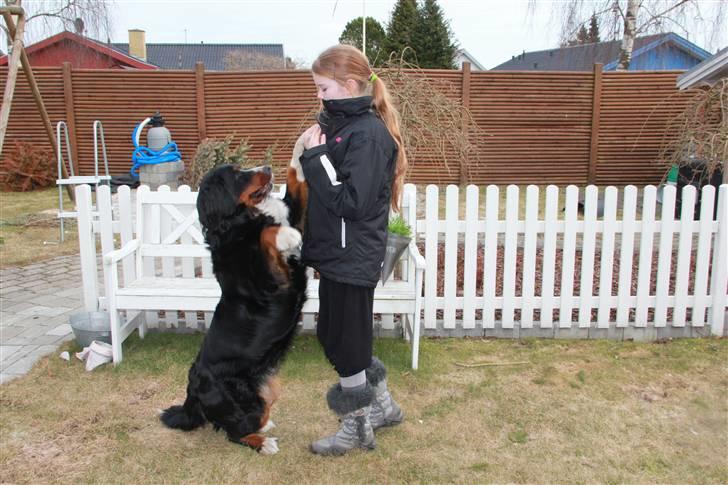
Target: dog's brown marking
[(269, 392), (252, 194), (299, 191), (254, 440), (268, 244)]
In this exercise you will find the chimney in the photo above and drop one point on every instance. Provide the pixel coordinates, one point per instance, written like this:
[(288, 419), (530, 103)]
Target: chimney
[(137, 44)]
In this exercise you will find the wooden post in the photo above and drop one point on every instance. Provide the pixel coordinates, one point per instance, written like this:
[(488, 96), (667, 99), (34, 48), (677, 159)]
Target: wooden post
[(200, 96), (466, 104), (591, 177), (13, 64), (17, 33), (70, 111)]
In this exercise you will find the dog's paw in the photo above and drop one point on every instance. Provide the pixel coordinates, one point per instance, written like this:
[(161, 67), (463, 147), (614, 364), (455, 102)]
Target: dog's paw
[(288, 240), (270, 446), (298, 150), (268, 426)]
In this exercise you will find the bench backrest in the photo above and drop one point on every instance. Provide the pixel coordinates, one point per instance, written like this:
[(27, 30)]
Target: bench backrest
[(172, 243)]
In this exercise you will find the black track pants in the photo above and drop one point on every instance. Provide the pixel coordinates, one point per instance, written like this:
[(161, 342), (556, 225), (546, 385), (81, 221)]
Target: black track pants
[(345, 325)]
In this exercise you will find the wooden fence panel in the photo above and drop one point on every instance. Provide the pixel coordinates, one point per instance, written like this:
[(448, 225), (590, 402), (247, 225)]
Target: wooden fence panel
[(542, 127)]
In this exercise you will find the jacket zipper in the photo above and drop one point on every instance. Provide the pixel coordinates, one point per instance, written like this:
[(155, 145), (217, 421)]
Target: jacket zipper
[(343, 233)]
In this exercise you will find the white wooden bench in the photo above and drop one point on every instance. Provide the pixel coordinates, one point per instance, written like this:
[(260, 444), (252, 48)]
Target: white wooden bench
[(166, 267)]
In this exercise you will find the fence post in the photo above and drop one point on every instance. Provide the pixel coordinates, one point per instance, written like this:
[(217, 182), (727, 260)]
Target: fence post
[(200, 97), (463, 164), (70, 112), (596, 114), (720, 266)]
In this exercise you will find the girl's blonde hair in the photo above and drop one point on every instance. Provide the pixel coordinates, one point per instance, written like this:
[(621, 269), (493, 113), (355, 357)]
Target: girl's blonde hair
[(342, 62)]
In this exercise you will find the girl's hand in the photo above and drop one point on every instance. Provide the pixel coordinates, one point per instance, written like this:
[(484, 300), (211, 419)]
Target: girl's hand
[(313, 137)]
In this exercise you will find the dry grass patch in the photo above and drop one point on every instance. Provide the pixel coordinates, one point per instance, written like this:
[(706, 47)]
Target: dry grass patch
[(29, 228), (579, 411)]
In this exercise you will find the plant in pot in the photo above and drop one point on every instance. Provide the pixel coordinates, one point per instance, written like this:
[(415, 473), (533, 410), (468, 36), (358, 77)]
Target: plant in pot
[(399, 236)]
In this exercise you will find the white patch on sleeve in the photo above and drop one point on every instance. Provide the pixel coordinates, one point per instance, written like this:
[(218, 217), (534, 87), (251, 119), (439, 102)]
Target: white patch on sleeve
[(329, 169)]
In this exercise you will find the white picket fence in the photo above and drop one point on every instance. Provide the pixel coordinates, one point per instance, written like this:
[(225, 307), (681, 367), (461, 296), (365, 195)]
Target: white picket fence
[(666, 266), (556, 271)]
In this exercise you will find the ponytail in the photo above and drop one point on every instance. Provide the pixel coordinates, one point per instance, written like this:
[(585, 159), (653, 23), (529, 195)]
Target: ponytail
[(390, 116)]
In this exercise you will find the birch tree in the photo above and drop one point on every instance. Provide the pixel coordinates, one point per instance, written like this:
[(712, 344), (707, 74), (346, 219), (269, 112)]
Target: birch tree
[(627, 19)]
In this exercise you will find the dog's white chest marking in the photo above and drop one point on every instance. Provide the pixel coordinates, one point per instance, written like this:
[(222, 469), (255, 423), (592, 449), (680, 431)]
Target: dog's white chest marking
[(275, 208)]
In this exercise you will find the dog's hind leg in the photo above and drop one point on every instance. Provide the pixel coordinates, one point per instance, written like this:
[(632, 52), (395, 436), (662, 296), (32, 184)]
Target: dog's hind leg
[(269, 392), (240, 411)]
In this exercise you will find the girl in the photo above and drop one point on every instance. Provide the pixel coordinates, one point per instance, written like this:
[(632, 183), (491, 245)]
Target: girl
[(354, 163)]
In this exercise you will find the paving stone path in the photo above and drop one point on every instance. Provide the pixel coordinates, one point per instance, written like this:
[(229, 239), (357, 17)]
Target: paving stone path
[(35, 303)]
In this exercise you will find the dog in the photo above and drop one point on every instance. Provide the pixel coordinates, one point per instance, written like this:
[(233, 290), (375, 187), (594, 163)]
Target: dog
[(255, 248), (296, 197)]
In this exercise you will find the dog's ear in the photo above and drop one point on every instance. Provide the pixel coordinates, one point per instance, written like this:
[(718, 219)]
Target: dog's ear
[(216, 200)]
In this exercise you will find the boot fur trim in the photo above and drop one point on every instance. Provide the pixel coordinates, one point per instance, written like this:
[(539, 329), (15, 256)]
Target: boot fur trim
[(376, 372), (343, 403)]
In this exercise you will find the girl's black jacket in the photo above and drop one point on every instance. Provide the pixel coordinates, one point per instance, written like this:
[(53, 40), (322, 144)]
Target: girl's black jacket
[(350, 187)]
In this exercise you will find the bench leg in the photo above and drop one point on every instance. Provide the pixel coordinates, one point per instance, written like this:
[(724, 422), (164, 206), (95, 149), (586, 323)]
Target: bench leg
[(115, 333), (416, 320), (142, 325)]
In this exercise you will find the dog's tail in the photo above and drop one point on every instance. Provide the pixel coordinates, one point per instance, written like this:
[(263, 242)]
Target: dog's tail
[(184, 417)]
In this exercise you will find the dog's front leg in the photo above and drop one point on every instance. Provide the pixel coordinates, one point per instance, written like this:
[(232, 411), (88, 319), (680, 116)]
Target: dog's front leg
[(278, 243), (296, 188)]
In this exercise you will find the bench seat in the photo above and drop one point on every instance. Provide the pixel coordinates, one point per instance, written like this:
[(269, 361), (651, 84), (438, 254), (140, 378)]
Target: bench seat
[(202, 294)]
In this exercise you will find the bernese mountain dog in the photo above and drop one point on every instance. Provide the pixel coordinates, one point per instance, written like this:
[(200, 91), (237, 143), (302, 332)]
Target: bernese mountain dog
[(254, 239)]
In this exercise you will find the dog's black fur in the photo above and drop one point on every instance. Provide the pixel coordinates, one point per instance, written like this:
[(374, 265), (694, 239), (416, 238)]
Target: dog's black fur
[(231, 382)]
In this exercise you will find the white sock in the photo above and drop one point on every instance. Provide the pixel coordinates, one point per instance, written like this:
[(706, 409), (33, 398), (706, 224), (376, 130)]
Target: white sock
[(355, 382)]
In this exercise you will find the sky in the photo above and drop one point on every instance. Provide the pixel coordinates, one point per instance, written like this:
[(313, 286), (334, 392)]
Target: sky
[(492, 31)]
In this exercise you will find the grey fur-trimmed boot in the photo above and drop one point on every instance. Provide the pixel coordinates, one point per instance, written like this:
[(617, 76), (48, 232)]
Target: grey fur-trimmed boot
[(353, 407), (385, 412)]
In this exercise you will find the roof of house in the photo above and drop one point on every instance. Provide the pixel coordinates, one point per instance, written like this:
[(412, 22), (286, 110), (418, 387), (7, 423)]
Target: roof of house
[(472, 60), (87, 42), (185, 56), (708, 71), (583, 57)]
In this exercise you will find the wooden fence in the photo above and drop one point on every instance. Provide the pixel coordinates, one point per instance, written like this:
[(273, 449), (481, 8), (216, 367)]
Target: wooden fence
[(542, 127)]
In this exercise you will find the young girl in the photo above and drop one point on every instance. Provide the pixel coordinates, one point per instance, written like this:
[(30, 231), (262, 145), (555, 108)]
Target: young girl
[(354, 164)]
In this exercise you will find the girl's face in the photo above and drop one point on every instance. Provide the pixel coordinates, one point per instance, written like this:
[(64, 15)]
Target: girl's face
[(327, 88)]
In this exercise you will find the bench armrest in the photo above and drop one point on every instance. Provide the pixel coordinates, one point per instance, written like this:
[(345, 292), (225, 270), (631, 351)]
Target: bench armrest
[(414, 253), (117, 255)]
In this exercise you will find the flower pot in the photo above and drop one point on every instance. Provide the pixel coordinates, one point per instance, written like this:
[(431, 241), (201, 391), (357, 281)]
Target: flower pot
[(396, 246)]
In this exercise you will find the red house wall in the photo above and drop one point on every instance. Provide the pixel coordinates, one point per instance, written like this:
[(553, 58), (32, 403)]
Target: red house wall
[(79, 56)]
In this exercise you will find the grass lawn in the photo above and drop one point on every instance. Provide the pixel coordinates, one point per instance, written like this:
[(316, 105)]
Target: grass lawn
[(29, 228), (577, 412)]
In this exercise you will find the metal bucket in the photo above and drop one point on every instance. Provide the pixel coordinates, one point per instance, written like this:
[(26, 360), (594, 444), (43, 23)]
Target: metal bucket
[(90, 326)]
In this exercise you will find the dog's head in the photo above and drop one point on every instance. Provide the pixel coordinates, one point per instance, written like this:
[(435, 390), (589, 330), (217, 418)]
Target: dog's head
[(227, 191)]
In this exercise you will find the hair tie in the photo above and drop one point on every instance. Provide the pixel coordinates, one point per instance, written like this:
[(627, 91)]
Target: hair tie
[(373, 77)]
